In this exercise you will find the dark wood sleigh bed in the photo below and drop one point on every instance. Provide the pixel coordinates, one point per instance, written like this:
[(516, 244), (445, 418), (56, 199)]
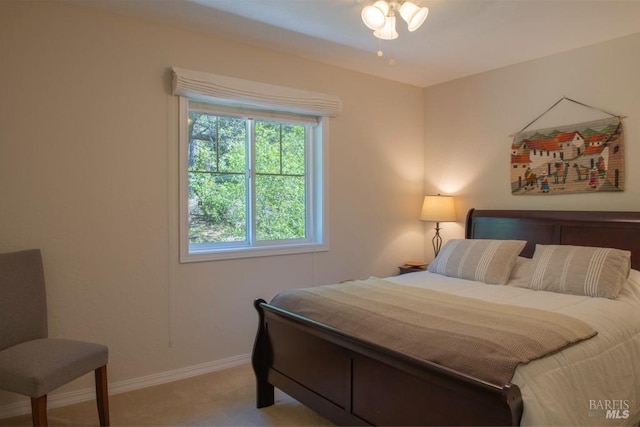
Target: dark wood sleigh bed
[(352, 382)]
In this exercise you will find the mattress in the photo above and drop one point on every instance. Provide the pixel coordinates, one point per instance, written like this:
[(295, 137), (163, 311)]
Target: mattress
[(592, 383)]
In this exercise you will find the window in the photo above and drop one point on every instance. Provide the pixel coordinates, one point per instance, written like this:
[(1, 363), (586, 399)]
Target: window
[(252, 182), (252, 167)]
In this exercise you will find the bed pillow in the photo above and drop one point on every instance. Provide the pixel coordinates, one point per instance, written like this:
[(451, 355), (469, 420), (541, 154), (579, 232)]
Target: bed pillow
[(578, 270), (520, 268), (484, 260)]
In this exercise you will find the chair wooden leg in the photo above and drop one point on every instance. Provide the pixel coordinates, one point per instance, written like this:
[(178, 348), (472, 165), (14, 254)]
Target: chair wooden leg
[(39, 411), (102, 395)]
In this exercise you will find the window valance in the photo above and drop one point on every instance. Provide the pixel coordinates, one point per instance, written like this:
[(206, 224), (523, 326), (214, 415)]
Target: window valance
[(246, 93)]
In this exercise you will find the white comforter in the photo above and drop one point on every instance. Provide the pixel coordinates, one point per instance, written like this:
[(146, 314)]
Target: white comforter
[(596, 382)]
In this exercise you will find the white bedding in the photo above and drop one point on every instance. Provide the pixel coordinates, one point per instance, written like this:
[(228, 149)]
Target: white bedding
[(578, 385)]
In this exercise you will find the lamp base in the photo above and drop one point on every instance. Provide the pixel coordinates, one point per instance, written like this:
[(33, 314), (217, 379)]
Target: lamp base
[(437, 240)]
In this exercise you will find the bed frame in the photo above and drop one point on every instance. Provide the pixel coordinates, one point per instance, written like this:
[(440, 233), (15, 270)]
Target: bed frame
[(353, 382)]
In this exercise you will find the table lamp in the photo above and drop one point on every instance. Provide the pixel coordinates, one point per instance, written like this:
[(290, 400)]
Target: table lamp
[(438, 209)]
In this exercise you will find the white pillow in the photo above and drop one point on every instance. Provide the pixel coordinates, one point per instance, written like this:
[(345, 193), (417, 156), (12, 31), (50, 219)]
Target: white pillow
[(634, 279), (484, 260), (520, 268)]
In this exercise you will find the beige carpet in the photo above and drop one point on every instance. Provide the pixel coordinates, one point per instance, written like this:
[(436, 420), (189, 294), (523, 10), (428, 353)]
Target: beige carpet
[(224, 398)]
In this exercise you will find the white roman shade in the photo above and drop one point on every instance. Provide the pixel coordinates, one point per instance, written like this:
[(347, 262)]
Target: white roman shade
[(235, 92)]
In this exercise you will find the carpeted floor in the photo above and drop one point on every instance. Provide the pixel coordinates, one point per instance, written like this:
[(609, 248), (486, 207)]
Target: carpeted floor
[(224, 398)]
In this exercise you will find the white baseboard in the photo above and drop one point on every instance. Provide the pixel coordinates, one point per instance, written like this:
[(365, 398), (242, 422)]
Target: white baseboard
[(69, 398)]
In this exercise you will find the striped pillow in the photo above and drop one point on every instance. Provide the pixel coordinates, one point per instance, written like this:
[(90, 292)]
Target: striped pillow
[(483, 260), (578, 270)]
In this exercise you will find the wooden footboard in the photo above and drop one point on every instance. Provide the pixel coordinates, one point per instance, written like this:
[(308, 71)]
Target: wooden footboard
[(351, 382)]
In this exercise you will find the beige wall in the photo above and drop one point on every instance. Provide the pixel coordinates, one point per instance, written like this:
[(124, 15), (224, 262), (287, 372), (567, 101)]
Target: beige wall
[(88, 173), (468, 123)]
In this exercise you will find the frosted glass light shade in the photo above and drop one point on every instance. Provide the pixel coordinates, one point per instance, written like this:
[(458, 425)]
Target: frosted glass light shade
[(438, 209), (388, 32), (375, 15), (413, 15)]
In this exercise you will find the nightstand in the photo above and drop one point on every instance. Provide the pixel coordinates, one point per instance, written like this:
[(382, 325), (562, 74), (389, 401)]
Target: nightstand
[(412, 267)]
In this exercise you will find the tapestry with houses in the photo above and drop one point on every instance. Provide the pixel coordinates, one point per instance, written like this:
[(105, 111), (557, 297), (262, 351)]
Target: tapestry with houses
[(580, 158)]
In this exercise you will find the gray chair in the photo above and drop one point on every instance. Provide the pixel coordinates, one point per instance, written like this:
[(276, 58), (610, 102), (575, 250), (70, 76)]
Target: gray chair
[(32, 364)]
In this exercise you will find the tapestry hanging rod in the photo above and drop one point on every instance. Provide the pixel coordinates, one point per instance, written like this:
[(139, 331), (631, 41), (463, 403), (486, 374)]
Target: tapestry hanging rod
[(558, 102)]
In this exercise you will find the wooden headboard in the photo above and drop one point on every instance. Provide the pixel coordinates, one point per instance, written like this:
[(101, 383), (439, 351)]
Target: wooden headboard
[(581, 228)]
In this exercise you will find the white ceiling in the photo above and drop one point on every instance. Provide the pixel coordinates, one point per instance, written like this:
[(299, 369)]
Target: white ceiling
[(459, 37)]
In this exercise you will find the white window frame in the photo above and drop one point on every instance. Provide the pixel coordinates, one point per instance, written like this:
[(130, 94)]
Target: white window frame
[(316, 227), (270, 101)]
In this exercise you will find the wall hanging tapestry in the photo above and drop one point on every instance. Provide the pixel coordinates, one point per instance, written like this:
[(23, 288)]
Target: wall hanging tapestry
[(579, 158)]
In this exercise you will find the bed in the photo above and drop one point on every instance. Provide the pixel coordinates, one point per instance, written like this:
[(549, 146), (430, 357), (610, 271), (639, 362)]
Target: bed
[(352, 380)]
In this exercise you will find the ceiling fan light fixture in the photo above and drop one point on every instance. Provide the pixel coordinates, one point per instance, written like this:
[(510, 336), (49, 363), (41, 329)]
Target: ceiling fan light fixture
[(388, 32), (375, 15), (413, 15)]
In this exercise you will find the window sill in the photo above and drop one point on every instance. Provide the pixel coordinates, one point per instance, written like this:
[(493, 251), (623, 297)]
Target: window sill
[(253, 252)]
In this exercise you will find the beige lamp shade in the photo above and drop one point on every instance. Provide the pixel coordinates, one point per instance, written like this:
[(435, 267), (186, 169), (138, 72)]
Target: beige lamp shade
[(438, 209)]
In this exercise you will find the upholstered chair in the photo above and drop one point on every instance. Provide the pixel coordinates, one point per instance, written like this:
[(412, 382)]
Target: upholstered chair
[(32, 364)]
